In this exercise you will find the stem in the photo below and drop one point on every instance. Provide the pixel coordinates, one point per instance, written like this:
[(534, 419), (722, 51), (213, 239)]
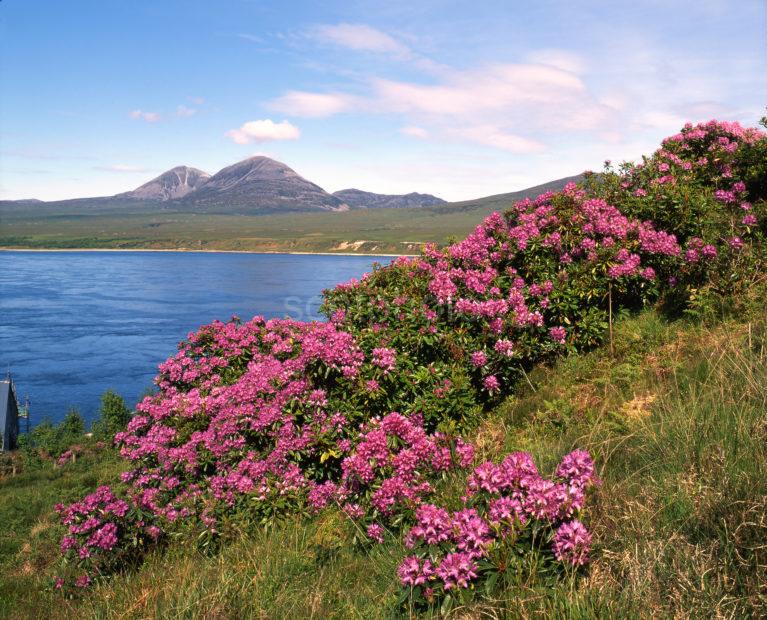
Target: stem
[(610, 316)]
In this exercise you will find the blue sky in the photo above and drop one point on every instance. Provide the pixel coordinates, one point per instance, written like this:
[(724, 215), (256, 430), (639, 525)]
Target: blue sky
[(459, 99)]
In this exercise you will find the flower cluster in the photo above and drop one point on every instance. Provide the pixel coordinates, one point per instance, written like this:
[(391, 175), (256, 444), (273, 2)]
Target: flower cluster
[(394, 463), (506, 505), (101, 534), (702, 185)]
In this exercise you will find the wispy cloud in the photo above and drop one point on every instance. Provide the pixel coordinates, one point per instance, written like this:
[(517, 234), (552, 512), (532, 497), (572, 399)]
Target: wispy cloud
[(250, 37), (196, 100), (559, 59), (46, 155), (123, 168), (265, 130), (414, 132), (496, 137), (149, 117), (312, 105), (183, 111), (498, 105), (360, 37)]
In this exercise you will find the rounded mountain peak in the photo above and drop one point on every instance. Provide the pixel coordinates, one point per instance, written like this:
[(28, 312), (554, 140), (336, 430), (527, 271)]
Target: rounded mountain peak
[(174, 183)]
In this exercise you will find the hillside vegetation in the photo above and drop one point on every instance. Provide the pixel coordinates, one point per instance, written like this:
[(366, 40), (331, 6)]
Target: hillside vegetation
[(675, 419), (561, 415)]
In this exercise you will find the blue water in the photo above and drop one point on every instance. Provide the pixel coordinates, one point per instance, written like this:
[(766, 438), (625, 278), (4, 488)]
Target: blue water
[(73, 324)]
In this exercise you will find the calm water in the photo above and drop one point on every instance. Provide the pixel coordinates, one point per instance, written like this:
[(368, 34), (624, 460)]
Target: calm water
[(73, 324)]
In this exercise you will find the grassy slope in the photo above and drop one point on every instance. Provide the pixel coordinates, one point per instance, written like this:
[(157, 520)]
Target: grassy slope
[(383, 230), (676, 419)]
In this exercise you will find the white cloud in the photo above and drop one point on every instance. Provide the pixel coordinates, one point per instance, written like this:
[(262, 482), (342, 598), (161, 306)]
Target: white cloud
[(185, 112), (149, 117), (360, 37), (414, 132), (312, 105), (264, 131)]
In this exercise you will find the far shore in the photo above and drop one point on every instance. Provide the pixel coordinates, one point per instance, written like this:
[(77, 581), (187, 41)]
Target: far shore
[(7, 249)]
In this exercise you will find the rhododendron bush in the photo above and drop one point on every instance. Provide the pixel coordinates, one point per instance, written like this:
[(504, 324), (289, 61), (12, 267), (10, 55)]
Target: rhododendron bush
[(708, 186), (368, 412)]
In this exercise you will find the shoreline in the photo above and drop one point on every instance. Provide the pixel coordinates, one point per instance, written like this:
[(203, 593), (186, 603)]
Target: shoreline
[(188, 251)]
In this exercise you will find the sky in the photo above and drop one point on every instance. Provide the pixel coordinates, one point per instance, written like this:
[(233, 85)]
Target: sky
[(455, 98)]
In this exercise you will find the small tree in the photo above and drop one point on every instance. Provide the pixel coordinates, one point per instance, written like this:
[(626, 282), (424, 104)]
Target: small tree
[(114, 415), (72, 428)]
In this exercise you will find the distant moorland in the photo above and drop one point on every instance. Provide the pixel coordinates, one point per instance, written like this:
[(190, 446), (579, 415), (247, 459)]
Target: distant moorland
[(119, 223)]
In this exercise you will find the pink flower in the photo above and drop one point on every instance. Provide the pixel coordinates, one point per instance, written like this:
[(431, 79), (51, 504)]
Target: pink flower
[(572, 543), (457, 570), (478, 358), (491, 383), (412, 572), (558, 334), (375, 532), (749, 220), (83, 581)]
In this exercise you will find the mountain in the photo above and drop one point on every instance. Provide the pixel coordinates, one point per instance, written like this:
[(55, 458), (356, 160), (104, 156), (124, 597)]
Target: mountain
[(259, 185), (175, 183), (357, 199), (21, 202)]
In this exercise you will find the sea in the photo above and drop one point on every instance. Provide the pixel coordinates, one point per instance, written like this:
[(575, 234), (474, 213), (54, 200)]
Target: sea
[(74, 324)]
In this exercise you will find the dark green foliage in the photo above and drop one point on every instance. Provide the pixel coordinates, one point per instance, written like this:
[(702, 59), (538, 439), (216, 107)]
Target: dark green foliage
[(51, 440)]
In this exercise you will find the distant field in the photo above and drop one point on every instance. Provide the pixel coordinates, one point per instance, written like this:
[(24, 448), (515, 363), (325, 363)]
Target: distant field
[(396, 231)]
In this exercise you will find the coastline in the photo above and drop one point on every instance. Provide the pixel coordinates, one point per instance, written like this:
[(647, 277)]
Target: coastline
[(186, 250)]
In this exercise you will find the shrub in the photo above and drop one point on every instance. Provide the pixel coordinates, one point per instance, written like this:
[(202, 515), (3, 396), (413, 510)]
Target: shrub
[(104, 533)]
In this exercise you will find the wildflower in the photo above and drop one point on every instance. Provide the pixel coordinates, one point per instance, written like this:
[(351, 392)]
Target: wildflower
[(504, 347)]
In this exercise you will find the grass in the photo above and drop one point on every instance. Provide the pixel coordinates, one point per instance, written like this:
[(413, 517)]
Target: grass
[(29, 533), (677, 421)]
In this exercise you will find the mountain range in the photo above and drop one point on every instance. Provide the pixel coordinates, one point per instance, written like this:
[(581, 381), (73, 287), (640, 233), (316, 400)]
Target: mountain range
[(255, 186)]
